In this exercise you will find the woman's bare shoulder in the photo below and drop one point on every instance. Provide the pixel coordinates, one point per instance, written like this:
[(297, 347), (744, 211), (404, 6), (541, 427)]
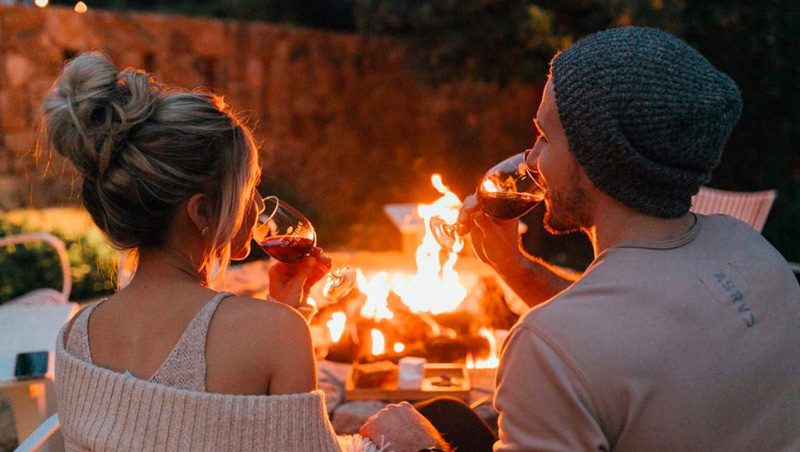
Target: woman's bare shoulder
[(260, 320), (253, 344)]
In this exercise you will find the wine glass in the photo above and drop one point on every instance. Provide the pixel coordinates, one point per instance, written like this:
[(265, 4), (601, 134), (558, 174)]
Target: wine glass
[(288, 236), (507, 191)]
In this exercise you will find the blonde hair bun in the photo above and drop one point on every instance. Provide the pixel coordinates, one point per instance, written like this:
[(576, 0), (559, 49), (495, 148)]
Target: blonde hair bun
[(93, 107), (143, 150)]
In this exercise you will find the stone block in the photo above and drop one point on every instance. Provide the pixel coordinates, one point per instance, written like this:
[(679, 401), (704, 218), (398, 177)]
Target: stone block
[(20, 144), (13, 194), (14, 109), (68, 30), (18, 69)]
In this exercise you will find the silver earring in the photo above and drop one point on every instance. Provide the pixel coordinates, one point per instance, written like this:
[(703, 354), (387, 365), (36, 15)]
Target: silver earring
[(205, 230)]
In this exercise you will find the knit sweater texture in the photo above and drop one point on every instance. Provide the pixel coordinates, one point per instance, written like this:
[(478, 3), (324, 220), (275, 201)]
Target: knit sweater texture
[(103, 410)]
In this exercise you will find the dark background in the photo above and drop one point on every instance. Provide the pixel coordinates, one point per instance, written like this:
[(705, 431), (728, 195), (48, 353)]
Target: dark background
[(755, 42)]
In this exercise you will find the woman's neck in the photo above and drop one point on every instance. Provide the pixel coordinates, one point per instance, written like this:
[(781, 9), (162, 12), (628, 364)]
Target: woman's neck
[(157, 267)]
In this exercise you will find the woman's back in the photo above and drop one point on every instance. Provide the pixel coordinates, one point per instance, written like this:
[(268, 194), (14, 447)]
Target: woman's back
[(183, 367), (193, 338)]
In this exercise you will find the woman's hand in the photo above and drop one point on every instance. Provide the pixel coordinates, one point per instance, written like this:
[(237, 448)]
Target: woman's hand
[(495, 242), (290, 283), (402, 428)]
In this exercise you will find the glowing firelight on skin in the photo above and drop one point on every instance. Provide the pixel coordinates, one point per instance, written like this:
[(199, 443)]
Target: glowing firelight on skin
[(399, 347), (336, 325), (41, 3), (81, 8), (378, 342)]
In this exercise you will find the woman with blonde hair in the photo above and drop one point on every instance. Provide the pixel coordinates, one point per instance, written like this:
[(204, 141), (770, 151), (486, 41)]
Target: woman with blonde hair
[(167, 362)]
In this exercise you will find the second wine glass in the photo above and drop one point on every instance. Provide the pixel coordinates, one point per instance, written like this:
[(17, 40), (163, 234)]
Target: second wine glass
[(287, 235), (507, 191)]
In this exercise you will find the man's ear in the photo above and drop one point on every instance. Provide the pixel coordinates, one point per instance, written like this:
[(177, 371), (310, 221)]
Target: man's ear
[(198, 208)]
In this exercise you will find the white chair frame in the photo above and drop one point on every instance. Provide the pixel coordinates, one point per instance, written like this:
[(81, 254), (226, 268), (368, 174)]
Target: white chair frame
[(61, 251), (39, 437)]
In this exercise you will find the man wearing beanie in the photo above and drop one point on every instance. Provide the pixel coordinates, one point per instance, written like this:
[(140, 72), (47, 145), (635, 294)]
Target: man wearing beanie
[(684, 332)]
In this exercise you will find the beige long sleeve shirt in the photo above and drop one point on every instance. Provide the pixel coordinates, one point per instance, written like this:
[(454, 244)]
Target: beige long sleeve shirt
[(691, 344)]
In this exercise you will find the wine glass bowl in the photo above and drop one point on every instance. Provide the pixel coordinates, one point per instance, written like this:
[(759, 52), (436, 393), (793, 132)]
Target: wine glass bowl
[(446, 234), (507, 191), (339, 283), (285, 234)]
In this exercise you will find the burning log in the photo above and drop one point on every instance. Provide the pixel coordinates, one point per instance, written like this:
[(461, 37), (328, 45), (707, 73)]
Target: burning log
[(396, 314), (461, 322), (444, 349)]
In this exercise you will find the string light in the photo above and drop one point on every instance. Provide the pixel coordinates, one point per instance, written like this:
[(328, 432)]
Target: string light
[(81, 8), (41, 3)]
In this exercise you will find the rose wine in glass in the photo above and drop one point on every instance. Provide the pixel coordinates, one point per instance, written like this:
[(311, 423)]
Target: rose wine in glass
[(507, 191), (287, 248), (507, 206), (288, 236)]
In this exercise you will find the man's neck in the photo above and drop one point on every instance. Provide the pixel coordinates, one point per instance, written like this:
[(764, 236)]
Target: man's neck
[(615, 224)]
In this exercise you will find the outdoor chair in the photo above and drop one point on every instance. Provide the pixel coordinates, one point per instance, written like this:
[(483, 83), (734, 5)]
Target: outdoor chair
[(39, 437), (30, 323), (750, 207), (46, 295)]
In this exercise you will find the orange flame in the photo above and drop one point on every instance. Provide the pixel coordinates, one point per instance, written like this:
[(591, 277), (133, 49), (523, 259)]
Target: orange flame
[(435, 287), (378, 342), (336, 325), (490, 362), (377, 291)]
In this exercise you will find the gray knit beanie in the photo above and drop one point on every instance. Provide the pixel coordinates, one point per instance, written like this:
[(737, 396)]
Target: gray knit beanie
[(645, 114)]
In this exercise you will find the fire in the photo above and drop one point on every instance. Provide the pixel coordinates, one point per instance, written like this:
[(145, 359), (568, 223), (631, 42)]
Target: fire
[(336, 325), (378, 342), (435, 288), (377, 291), (492, 361)]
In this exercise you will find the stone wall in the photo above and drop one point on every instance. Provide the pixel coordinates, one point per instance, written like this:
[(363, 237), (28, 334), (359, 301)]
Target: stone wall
[(344, 126)]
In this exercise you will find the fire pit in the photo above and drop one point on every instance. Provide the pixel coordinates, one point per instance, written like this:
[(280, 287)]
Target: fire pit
[(447, 308), (426, 302)]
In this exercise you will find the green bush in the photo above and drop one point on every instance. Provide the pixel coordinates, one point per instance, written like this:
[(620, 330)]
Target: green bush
[(31, 266)]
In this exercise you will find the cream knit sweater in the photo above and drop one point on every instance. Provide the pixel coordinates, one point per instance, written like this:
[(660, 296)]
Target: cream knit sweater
[(100, 409)]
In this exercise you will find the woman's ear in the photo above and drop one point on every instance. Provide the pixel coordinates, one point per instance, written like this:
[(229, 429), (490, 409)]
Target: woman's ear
[(198, 208)]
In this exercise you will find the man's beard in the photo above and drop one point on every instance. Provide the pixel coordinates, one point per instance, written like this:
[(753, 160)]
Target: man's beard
[(567, 212)]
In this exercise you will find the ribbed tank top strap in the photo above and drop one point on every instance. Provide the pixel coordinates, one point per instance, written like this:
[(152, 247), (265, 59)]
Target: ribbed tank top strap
[(78, 340), (185, 366)]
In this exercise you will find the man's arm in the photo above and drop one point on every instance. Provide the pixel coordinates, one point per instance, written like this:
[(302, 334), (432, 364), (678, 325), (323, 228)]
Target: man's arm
[(498, 244), (400, 427), (535, 280), (543, 403)]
